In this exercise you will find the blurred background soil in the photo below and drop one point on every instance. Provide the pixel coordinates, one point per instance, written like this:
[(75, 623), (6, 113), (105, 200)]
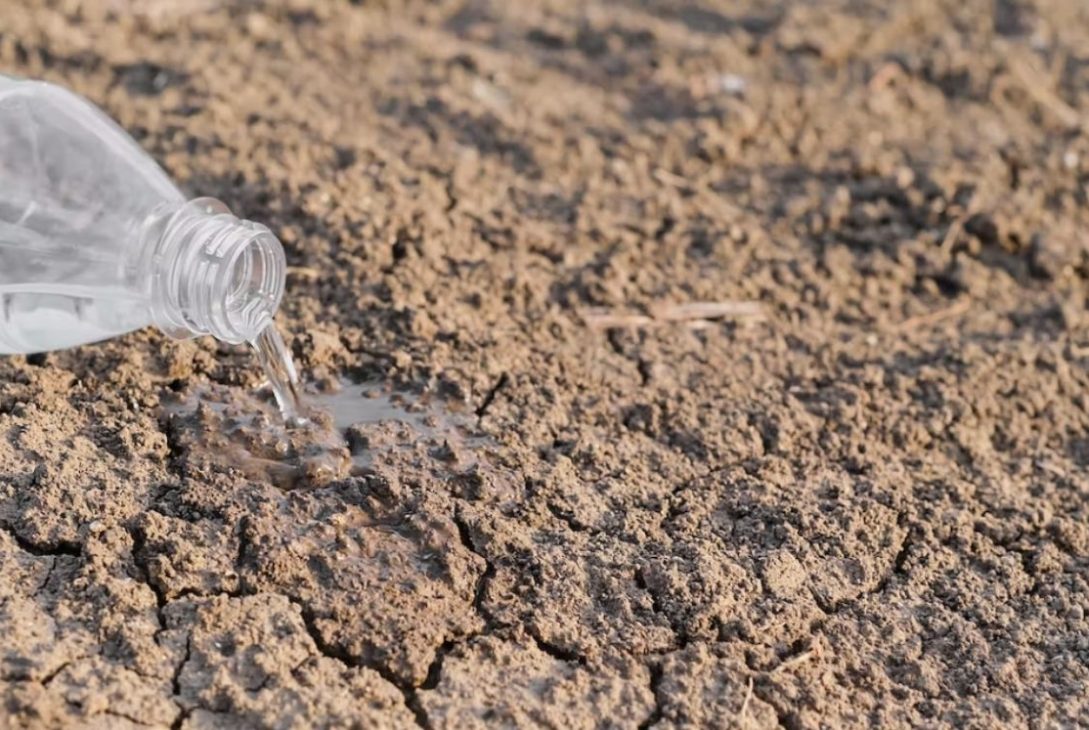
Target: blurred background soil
[(847, 490)]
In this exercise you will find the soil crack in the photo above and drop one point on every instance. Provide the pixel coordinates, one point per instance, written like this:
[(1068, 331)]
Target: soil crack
[(681, 637), (337, 653), (175, 679), (490, 396), (48, 576), (657, 674), (898, 561), (140, 562), (481, 591), (46, 550), (557, 652)]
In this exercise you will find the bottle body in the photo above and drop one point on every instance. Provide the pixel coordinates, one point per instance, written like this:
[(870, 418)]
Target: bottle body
[(96, 241)]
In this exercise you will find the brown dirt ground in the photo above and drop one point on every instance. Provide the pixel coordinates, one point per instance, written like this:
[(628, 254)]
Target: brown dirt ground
[(865, 506)]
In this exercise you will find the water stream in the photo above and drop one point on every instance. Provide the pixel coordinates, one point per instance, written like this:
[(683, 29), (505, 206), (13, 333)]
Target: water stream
[(279, 368)]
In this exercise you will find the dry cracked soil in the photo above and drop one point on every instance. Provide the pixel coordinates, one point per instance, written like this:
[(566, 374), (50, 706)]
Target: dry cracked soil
[(729, 362)]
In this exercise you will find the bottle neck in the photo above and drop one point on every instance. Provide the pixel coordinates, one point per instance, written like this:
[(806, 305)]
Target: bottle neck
[(212, 273)]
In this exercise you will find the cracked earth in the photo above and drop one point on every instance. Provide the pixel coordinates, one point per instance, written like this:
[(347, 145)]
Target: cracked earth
[(742, 351)]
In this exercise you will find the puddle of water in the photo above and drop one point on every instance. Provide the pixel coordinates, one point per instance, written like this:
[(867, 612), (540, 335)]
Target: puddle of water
[(375, 420), (336, 432), (351, 404)]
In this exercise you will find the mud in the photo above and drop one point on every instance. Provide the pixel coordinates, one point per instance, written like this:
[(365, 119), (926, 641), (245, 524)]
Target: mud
[(730, 364), (224, 429)]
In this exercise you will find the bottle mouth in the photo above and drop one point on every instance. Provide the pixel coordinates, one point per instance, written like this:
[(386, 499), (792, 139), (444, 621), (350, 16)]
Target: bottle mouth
[(217, 274), (253, 286)]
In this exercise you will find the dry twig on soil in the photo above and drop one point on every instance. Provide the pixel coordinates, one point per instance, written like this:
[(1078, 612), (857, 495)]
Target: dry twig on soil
[(745, 703), (1036, 84), (695, 315)]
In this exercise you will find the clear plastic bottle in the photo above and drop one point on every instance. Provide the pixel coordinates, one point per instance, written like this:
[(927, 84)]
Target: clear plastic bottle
[(96, 241)]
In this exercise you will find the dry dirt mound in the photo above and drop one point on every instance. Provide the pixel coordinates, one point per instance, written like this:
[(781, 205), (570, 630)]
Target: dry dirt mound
[(860, 502)]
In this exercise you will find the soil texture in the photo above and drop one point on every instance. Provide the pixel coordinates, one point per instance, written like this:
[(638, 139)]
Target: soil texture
[(729, 365)]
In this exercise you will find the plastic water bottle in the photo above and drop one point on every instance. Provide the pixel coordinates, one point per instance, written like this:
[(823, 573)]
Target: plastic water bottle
[(96, 241)]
